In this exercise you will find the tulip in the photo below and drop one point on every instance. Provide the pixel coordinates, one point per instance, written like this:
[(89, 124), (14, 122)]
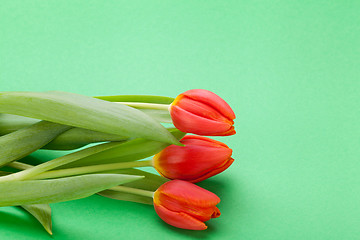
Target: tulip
[(185, 205), (199, 159), (202, 112)]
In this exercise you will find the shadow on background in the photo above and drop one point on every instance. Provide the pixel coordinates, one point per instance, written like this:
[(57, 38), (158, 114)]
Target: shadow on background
[(32, 160), (20, 220), (223, 186), (188, 233)]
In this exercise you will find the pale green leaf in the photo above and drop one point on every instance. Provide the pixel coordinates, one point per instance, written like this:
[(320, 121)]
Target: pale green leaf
[(10, 123), (159, 115), (68, 140), (150, 182), (74, 156), (79, 137), (21, 143), (138, 98), (85, 112), (15, 193), (124, 196), (127, 151), (42, 212)]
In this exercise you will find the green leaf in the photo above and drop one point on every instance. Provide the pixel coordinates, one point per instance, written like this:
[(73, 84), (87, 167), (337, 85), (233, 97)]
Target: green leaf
[(71, 157), (138, 98), (68, 140), (124, 196), (159, 115), (79, 137), (131, 150), (11, 123), (150, 182), (42, 212), (27, 192), (85, 112), (75, 137), (21, 143)]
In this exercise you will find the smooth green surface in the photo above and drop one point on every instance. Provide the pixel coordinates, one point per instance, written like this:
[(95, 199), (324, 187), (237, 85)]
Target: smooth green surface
[(289, 69)]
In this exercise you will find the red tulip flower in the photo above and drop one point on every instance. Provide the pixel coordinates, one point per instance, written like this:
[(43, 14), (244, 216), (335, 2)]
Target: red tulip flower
[(202, 112), (199, 159), (185, 205)]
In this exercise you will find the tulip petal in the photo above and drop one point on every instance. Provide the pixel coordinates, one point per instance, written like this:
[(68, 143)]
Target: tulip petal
[(185, 205), (202, 110), (215, 171), (196, 161), (186, 192), (216, 213), (179, 219), (229, 132), (211, 99), (200, 158), (191, 123), (200, 212), (189, 139)]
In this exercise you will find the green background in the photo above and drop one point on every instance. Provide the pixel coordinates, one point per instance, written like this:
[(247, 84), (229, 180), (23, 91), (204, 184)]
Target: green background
[(289, 69)]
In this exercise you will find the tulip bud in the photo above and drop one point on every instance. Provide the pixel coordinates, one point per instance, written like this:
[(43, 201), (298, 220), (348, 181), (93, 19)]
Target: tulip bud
[(202, 112), (185, 205), (199, 159)]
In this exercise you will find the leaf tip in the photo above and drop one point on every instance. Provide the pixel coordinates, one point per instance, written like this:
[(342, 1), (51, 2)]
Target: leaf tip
[(49, 231)]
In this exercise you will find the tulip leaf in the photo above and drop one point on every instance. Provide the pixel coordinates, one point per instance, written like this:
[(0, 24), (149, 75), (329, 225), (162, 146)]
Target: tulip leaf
[(124, 196), (150, 182), (68, 140), (84, 112), (79, 137), (159, 115), (11, 123), (138, 98), (42, 212), (21, 143), (127, 151), (71, 157), (15, 193)]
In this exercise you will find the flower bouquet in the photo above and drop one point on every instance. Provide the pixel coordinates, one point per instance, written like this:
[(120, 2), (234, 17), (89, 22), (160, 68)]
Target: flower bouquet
[(110, 138)]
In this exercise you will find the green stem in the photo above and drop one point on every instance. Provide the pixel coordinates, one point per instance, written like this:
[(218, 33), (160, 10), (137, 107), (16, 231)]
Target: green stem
[(19, 165), (137, 98), (31, 172), (135, 191), (91, 169), (142, 105)]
